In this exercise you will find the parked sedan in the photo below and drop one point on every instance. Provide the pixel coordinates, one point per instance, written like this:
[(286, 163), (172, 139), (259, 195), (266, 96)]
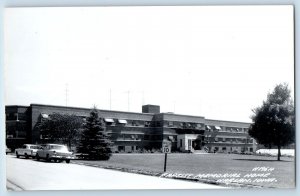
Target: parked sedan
[(27, 150), (55, 152), (7, 150)]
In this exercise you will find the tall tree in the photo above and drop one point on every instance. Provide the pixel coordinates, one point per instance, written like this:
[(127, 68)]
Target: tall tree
[(63, 128), (274, 121), (94, 141)]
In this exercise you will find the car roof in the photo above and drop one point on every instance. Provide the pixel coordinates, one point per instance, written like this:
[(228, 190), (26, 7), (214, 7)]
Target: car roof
[(55, 144)]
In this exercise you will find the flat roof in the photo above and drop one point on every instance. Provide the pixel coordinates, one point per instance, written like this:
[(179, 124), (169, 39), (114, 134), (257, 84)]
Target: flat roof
[(71, 107), (126, 112)]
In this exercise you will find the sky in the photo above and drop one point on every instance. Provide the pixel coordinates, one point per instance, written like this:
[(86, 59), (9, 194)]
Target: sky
[(219, 62)]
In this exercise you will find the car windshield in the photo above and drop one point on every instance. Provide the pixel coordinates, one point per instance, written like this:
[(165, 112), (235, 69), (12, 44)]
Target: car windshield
[(34, 147), (57, 147)]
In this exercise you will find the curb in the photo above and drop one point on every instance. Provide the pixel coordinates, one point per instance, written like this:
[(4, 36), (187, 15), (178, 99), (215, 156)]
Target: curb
[(10, 186)]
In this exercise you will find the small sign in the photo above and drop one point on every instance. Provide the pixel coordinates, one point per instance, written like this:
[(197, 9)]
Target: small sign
[(166, 149)]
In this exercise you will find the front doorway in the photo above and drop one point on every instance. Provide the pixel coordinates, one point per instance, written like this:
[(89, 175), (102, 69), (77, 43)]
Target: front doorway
[(190, 142), (197, 144)]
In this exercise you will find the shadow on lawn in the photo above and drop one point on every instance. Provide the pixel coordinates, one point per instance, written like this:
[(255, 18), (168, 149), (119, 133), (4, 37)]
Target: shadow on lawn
[(265, 160)]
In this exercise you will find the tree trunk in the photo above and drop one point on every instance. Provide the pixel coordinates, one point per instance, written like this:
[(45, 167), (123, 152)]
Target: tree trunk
[(69, 145), (278, 154)]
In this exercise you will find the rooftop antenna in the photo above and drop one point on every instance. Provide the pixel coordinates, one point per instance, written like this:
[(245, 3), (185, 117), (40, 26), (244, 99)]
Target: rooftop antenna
[(128, 99), (143, 100), (66, 94), (110, 99), (143, 97), (174, 106)]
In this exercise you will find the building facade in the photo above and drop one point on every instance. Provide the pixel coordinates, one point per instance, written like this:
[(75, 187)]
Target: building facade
[(138, 132)]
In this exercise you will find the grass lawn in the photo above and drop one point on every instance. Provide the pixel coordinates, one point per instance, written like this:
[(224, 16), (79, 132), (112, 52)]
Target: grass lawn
[(198, 164)]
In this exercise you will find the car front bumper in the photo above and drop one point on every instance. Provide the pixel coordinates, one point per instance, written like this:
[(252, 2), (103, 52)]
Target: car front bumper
[(62, 157)]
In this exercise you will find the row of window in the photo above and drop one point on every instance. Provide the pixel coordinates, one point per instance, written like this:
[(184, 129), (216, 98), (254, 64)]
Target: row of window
[(233, 140), (230, 149), (16, 116), (226, 129), (173, 124), (139, 137)]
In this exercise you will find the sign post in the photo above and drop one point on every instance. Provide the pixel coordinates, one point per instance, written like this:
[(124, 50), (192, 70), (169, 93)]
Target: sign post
[(165, 166), (166, 148)]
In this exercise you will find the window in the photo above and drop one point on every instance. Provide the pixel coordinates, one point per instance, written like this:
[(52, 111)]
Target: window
[(218, 128), (121, 148), (180, 143), (171, 124), (109, 121), (224, 139), (189, 143), (133, 123), (224, 148), (122, 121), (146, 137), (171, 138), (11, 116), (147, 123), (216, 139)]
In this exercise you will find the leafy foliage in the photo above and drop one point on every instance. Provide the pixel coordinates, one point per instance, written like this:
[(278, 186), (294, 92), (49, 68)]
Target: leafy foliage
[(61, 128), (94, 140), (274, 122)]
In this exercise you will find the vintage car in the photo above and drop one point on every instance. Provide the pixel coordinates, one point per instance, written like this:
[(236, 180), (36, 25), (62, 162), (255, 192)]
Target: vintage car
[(27, 150), (55, 152), (7, 150)]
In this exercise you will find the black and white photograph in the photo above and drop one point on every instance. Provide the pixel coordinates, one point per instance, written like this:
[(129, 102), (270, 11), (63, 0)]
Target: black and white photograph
[(149, 97)]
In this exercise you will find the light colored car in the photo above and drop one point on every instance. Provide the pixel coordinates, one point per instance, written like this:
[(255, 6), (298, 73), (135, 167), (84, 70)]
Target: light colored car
[(7, 150), (27, 150), (55, 152)]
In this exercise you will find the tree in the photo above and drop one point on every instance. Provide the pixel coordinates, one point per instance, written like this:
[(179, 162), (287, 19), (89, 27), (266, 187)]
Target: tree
[(94, 142), (274, 121), (63, 128)]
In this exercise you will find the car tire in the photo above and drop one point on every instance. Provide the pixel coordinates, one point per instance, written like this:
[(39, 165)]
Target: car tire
[(37, 157), (67, 160), (26, 156), (47, 158), (17, 155)]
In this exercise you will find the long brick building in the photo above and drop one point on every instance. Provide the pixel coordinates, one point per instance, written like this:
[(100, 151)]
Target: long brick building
[(138, 132)]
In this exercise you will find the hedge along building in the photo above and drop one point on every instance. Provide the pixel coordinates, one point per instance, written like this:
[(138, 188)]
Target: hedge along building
[(136, 132)]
